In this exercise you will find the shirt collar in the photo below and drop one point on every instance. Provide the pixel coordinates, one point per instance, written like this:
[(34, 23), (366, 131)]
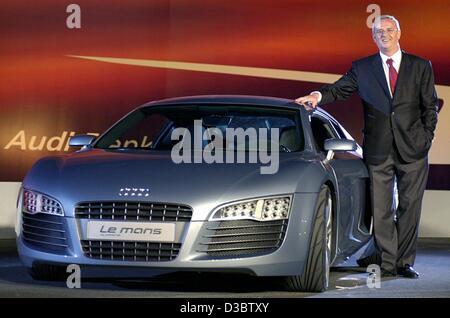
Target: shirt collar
[(397, 57)]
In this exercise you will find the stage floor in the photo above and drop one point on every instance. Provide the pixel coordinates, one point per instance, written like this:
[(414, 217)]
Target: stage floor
[(433, 264)]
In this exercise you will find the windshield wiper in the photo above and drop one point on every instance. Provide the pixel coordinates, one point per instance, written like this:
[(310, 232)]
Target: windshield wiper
[(285, 149)]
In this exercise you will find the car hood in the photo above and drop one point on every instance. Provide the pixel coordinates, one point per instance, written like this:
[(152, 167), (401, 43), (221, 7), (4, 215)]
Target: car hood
[(98, 175)]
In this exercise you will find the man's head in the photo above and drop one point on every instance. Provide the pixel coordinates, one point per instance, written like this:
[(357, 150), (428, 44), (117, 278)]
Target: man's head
[(386, 34)]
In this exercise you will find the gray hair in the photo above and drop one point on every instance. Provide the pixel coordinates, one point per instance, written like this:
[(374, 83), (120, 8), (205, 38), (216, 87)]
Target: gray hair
[(385, 17)]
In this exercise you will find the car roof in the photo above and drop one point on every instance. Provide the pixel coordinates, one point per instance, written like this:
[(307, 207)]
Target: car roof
[(225, 99), (235, 99)]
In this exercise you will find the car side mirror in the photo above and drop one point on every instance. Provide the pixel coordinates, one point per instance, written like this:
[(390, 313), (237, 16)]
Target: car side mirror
[(332, 145), (81, 140)]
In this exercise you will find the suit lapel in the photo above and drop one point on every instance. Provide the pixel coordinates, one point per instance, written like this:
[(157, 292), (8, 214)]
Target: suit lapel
[(377, 68), (403, 74)]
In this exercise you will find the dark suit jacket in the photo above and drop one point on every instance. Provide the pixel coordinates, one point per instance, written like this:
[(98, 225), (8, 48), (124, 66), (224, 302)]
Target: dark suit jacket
[(409, 118)]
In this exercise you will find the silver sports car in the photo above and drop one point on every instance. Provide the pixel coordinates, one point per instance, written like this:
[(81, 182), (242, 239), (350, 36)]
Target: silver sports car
[(169, 187)]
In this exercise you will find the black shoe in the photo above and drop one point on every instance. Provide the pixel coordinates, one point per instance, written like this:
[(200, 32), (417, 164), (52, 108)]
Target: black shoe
[(369, 260), (408, 272), (387, 274)]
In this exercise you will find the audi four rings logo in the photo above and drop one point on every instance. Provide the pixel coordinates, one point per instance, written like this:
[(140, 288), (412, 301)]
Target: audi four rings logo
[(134, 192)]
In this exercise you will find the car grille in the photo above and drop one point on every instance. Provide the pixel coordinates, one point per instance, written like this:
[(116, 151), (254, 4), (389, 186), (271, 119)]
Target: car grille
[(139, 211), (131, 251), (43, 231), (242, 238)]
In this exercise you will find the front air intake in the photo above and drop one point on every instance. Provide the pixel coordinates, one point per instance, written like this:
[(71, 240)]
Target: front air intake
[(242, 238), (131, 251), (44, 232)]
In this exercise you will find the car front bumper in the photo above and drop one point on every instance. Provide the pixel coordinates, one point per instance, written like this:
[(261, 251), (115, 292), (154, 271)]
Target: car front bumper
[(287, 259)]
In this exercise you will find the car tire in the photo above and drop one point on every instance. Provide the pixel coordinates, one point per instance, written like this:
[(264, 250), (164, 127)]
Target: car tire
[(48, 272), (315, 276)]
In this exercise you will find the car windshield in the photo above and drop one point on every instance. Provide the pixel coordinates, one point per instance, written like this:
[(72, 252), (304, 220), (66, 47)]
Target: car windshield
[(230, 127)]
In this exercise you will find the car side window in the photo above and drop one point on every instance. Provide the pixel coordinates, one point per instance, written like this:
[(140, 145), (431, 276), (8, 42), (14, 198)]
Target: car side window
[(322, 130)]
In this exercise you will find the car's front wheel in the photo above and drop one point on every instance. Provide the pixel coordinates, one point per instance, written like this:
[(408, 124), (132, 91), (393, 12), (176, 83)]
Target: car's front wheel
[(316, 274)]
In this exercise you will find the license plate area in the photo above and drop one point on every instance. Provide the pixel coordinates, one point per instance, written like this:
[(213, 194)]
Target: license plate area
[(131, 231)]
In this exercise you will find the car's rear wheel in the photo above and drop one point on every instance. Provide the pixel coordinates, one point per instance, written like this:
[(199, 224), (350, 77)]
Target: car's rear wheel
[(48, 272), (316, 274)]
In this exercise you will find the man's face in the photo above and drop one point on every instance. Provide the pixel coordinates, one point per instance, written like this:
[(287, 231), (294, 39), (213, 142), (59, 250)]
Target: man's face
[(386, 35)]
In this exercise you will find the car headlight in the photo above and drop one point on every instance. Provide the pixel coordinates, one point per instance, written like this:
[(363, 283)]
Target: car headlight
[(267, 209), (34, 202)]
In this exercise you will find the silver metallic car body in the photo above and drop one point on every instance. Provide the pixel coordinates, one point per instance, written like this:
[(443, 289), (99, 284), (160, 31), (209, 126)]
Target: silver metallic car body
[(97, 175)]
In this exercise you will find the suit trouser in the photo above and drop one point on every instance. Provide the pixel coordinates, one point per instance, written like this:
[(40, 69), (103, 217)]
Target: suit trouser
[(397, 240)]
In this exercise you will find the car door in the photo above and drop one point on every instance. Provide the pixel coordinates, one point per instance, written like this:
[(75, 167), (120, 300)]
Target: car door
[(353, 216)]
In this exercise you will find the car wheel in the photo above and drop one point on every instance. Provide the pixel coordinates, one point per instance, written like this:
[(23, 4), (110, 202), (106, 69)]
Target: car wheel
[(316, 274), (48, 272)]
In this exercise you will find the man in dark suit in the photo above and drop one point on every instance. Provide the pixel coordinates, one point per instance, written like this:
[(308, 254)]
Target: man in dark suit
[(400, 116)]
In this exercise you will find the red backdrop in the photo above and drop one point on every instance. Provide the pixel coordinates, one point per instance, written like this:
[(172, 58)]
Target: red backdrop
[(44, 93)]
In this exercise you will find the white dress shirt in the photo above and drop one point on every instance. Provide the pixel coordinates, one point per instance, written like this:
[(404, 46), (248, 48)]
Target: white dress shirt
[(397, 58)]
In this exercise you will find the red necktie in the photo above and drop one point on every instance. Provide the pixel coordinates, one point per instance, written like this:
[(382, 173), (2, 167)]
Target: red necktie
[(392, 75)]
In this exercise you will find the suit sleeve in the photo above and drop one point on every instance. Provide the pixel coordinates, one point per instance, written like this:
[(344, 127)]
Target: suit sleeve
[(342, 89), (429, 101)]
